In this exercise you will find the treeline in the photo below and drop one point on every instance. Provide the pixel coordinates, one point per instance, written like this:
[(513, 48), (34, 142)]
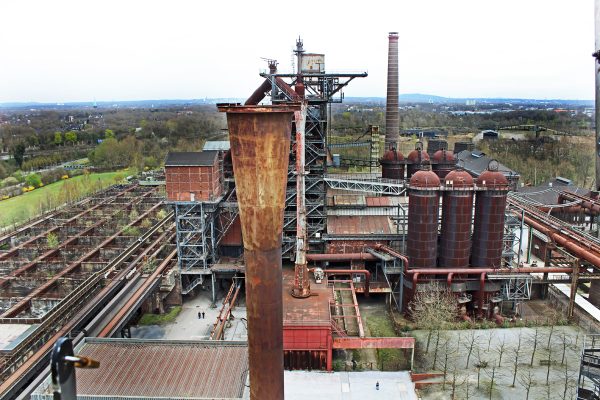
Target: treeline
[(538, 161), (353, 119)]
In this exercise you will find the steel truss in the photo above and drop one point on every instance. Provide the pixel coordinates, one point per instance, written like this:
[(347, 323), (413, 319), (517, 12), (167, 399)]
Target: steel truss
[(200, 228), (321, 89), (378, 186)]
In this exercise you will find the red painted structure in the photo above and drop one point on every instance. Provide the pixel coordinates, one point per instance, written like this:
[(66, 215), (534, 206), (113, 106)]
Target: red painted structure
[(488, 231), (443, 162), (457, 213), (415, 159), (392, 165), (423, 206), (193, 176)]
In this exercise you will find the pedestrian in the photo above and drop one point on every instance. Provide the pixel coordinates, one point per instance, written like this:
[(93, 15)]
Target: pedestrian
[(202, 314), (199, 315), (377, 385)]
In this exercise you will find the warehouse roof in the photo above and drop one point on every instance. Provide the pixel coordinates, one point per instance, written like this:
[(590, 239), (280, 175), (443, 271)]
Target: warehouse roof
[(191, 158), (547, 192), (222, 145), (137, 368), (475, 162)]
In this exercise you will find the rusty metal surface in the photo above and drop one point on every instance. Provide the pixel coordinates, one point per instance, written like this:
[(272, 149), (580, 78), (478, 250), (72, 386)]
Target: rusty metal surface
[(154, 369), (392, 164), (260, 143), (457, 213), (359, 224), (312, 311), (488, 230), (373, 343), (423, 209)]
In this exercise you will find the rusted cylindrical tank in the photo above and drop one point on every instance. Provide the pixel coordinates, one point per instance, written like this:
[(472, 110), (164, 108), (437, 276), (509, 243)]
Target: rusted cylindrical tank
[(457, 215), (442, 163), (490, 206), (415, 160), (260, 146), (392, 164), (423, 210), (392, 113)]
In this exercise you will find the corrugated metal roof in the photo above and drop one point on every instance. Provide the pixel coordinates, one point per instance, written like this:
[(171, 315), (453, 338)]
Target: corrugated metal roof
[(475, 162), (222, 145), (359, 224), (191, 158), (165, 369), (548, 192)]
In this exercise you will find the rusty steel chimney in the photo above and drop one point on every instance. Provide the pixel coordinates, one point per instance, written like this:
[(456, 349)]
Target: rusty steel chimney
[(597, 91), (260, 147), (392, 114)]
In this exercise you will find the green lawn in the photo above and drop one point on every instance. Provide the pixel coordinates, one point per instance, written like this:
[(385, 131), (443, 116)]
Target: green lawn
[(28, 205), (380, 325), (160, 319)]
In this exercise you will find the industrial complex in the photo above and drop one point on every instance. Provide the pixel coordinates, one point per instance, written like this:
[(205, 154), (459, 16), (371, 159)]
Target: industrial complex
[(271, 227)]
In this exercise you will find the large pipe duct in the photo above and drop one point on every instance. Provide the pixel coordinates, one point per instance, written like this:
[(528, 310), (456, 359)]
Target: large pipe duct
[(392, 114), (260, 146)]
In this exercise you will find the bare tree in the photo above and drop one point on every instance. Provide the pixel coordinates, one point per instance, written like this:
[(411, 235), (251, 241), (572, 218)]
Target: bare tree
[(448, 351), (549, 360), (491, 334), (481, 364), (565, 343), (437, 346), (568, 385), (516, 352), (550, 336), (471, 343), (493, 375), (535, 339), (500, 349), (526, 379), (433, 307)]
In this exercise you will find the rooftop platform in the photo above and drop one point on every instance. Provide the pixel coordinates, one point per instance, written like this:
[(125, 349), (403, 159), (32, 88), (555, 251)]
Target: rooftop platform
[(312, 311)]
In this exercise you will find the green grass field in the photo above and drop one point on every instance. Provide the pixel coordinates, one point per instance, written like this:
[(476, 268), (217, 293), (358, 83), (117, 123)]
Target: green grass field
[(28, 205)]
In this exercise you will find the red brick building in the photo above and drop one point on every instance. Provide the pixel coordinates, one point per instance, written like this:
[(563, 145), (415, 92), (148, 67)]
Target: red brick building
[(193, 176)]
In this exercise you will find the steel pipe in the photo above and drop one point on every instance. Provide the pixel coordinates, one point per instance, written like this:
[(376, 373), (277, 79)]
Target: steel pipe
[(341, 257), (260, 146)]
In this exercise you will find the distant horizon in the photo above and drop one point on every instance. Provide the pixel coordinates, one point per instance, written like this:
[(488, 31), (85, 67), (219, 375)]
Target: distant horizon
[(175, 99)]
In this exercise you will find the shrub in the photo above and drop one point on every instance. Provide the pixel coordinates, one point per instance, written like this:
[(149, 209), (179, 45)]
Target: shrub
[(131, 231), (10, 181), (33, 180), (52, 240)]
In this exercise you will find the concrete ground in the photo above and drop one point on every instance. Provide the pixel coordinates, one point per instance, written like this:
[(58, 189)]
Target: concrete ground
[(188, 326), (494, 355), (301, 385)]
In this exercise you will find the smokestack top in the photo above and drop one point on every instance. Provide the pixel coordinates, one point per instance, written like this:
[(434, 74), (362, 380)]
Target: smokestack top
[(393, 35), (239, 108)]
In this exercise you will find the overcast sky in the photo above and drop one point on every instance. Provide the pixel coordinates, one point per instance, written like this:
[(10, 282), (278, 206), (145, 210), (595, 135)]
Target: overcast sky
[(57, 51)]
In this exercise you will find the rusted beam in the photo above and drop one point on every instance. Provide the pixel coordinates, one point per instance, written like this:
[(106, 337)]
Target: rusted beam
[(137, 295), (75, 218), (374, 343), (24, 302)]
